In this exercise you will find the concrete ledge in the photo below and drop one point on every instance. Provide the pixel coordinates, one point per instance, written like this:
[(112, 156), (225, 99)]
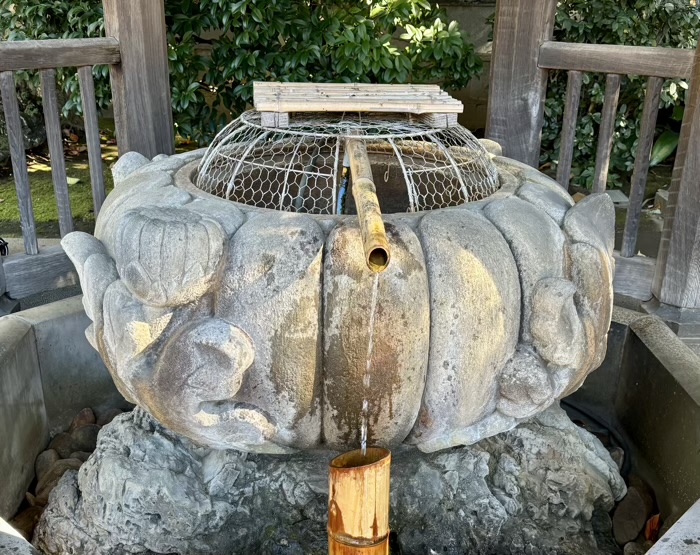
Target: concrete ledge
[(73, 374), (22, 414), (12, 542), (683, 538)]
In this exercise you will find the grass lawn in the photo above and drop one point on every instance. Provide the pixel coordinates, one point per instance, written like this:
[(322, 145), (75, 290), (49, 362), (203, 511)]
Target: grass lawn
[(79, 188)]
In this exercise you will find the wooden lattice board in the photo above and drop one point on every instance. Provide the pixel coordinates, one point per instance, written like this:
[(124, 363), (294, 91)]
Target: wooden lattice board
[(276, 100)]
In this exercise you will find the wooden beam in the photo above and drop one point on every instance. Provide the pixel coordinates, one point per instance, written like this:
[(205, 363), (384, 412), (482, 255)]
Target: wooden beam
[(26, 275), (677, 278), (614, 58), (641, 165), (568, 128), (140, 83), (15, 137), (92, 136), (517, 85), (53, 53), (606, 133), (54, 138)]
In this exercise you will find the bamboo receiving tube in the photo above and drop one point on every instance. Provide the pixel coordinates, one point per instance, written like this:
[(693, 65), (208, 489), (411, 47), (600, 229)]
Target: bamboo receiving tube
[(358, 503), (374, 241)]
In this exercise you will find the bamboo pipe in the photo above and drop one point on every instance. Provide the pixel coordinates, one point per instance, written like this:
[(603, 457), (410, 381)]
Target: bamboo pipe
[(358, 503), (374, 241)]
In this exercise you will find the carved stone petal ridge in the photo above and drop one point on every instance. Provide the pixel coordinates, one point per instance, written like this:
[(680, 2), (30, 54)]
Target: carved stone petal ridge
[(168, 256)]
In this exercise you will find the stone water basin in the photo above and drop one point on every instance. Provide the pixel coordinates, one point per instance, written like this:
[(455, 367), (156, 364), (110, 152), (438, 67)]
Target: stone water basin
[(246, 327)]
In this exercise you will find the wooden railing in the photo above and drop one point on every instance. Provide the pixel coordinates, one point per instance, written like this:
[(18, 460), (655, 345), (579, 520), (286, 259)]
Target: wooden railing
[(46, 56), (523, 54), (137, 56)]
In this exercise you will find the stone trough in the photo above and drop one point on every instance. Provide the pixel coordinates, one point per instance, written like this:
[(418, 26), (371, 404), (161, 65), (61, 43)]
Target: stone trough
[(239, 332)]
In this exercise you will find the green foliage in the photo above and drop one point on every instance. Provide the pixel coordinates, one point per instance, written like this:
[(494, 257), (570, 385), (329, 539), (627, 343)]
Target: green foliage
[(672, 23), (217, 48)]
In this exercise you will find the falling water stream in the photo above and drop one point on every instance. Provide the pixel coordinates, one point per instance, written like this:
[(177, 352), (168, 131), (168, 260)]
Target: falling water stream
[(366, 379)]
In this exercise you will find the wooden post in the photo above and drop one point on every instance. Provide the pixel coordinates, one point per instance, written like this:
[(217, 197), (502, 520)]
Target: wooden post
[(518, 86), (358, 503), (676, 285), (677, 278), (140, 82)]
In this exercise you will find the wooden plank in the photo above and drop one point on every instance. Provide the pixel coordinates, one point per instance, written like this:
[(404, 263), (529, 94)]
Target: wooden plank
[(641, 165), (517, 85), (614, 58), (352, 97), (53, 53), (92, 136), (55, 140), (29, 274), (633, 276), (141, 82), (568, 128), (15, 138), (677, 277), (606, 133)]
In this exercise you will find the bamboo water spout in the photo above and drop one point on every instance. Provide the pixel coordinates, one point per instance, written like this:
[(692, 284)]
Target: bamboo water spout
[(358, 503), (374, 241)]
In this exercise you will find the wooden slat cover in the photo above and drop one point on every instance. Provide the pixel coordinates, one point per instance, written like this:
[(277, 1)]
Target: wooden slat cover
[(352, 97), (641, 165), (55, 140), (92, 136), (53, 53), (623, 60), (606, 133), (19, 161)]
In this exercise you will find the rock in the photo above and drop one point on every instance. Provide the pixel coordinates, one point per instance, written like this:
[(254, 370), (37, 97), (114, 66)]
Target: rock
[(107, 416), (44, 461), (634, 549), (482, 296), (85, 416), (618, 455), (538, 489), (631, 515), (25, 521), (80, 455), (85, 437), (127, 164), (578, 197), (51, 478), (63, 444)]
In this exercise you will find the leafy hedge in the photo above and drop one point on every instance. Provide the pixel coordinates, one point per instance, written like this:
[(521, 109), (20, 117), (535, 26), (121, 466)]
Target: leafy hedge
[(217, 48), (674, 23)]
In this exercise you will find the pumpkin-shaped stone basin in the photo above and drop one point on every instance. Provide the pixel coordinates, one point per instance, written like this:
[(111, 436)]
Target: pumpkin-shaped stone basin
[(244, 327)]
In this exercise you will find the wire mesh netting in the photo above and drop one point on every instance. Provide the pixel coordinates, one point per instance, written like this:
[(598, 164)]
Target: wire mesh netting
[(303, 167)]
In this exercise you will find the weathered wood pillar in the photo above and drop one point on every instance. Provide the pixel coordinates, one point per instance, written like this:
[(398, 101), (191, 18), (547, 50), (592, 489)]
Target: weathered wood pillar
[(676, 284), (141, 81), (517, 86)]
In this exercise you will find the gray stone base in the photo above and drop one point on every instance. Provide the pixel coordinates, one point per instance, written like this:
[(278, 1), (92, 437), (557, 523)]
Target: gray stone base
[(543, 488)]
